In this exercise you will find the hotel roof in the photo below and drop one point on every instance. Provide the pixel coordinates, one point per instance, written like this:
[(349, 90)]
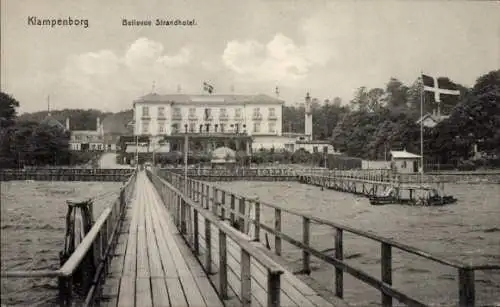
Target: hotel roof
[(215, 99)]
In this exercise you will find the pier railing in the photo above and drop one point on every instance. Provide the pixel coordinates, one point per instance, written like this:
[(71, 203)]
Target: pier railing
[(236, 172), (66, 174), (228, 204), (186, 212), (99, 241), (361, 175)]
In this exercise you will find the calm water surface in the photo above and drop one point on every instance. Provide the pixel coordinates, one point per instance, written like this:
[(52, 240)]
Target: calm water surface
[(468, 231), (32, 232)]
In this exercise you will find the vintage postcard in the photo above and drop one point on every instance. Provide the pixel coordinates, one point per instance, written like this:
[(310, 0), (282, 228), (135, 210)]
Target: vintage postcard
[(250, 153)]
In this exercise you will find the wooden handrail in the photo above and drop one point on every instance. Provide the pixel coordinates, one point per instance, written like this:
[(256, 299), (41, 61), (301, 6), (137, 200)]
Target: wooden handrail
[(228, 230), (77, 256)]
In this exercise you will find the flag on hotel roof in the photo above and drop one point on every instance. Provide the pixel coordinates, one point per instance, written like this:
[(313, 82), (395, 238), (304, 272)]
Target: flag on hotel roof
[(208, 88)]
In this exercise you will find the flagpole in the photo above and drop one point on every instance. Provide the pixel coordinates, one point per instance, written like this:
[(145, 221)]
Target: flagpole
[(421, 129)]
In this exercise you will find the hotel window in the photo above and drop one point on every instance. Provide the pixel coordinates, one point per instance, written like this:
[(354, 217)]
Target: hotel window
[(192, 112), (161, 128), (223, 112), (175, 128), (315, 149), (145, 127), (208, 114), (256, 127), (161, 111), (222, 128), (272, 128), (192, 127), (177, 113), (145, 111), (272, 112), (237, 113), (256, 111)]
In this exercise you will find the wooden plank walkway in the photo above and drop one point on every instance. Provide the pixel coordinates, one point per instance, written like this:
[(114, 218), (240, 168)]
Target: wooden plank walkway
[(151, 266)]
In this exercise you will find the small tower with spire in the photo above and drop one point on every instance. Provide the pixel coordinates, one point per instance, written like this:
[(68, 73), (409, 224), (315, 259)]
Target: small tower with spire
[(308, 117), (277, 92), (48, 105)]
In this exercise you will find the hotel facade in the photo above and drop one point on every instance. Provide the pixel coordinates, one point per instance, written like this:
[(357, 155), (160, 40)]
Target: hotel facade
[(241, 122)]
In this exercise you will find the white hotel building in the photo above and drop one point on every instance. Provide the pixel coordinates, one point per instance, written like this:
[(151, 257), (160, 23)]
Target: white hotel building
[(241, 122)]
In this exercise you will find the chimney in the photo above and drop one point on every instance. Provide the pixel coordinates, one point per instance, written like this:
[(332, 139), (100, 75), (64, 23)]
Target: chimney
[(67, 123), (98, 126)]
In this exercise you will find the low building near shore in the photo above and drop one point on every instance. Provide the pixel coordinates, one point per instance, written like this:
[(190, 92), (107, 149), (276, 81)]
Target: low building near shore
[(404, 161)]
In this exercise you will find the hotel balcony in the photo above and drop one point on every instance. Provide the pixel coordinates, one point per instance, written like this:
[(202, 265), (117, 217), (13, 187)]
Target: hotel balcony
[(272, 117), (238, 118), (209, 118), (223, 117), (257, 116), (176, 116), (192, 117), (161, 117), (145, 117)]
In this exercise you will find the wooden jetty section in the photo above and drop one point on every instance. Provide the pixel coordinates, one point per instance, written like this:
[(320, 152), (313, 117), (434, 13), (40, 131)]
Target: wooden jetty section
[(150, 266), (228, 205), (243, 274), (66, 174)]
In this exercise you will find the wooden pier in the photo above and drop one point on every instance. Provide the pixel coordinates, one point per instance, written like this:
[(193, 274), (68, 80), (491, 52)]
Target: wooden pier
[(168, 241)]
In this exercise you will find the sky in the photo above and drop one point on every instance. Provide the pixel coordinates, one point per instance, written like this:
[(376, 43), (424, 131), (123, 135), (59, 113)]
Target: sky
[(327, 48)]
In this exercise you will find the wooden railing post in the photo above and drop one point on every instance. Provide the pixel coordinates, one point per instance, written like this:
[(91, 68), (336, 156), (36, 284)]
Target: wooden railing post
[(177, 210), (215, 201), (242, 219), (222, 264), (207, 196), (202, 194), (232, 204), (273, 289), (339, 255), (306, 222), (257, 221), (466, 287), (65, 291), (183, 216), (208, 246), (277, 228), (223, 205), (246, 279), (386, 273), (196, 238), (197, 191)]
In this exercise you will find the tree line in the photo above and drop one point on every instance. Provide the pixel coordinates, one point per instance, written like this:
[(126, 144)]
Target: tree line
[(378, 120), (33, 141)]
